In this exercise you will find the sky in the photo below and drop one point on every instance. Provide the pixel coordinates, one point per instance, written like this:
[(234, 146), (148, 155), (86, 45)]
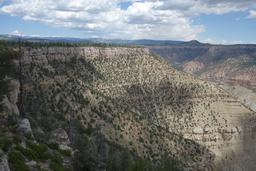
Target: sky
[(212, 21)]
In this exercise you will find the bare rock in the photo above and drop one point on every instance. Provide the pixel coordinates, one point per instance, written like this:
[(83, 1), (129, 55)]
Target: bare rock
[(11, 98), (198, 130), (207, 129), (60, 137), (24, 127), (9, 108), (4, 165), (31, 163), (15, 87)]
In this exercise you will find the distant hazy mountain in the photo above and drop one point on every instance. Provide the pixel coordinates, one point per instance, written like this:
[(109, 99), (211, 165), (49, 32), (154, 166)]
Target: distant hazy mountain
[(91, 40)]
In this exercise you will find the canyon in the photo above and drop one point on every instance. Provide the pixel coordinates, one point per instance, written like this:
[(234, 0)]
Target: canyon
[(229, 66), (103, 108)]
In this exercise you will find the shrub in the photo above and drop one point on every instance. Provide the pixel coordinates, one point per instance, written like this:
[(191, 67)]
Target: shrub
[(141, 140), (17, 161), (54, 146), (40, 150), (56, 157), (56, 166), (89, 129), (65, 152), (5, 143), (17, 139), (28, 153)]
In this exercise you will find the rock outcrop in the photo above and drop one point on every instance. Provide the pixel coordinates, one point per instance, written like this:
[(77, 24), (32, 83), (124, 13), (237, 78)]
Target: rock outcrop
[(10, 99), (19, 150), (4, 165), (60, 137), (24, 127)]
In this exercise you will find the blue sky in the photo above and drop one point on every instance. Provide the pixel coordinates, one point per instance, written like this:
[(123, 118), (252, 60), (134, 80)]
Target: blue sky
[(215, 21), (233, 27), (13, 23)]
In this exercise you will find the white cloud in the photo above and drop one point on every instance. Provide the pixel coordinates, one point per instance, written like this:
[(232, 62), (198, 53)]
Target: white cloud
[(16, 33), (155, 19), (224, 42), (211, 41), (252, 14)]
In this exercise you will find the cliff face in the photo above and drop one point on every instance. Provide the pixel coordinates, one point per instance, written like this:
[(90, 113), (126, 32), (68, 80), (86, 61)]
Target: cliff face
[(116, 108), (19, 149)]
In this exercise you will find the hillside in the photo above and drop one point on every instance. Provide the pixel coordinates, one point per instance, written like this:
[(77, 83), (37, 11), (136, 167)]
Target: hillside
[(226, 63), (118, 108)]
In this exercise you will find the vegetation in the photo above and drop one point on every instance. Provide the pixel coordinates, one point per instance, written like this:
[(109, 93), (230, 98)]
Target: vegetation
[(57, 167), (128, 161), (17, 161), (38, 44), (248, 64), (108, 102), (65, 152), (8, 52), (28, 153), (5, 143)]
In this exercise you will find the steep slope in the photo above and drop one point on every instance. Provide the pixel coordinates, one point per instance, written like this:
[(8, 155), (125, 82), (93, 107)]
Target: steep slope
[(95, 108), (240, 70), (134, 100), (192, 67), (228, 65), (95, 87), (19, 150)]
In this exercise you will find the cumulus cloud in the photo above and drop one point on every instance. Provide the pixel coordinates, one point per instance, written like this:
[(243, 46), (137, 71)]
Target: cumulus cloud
[(153, 19), (252, 14)]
